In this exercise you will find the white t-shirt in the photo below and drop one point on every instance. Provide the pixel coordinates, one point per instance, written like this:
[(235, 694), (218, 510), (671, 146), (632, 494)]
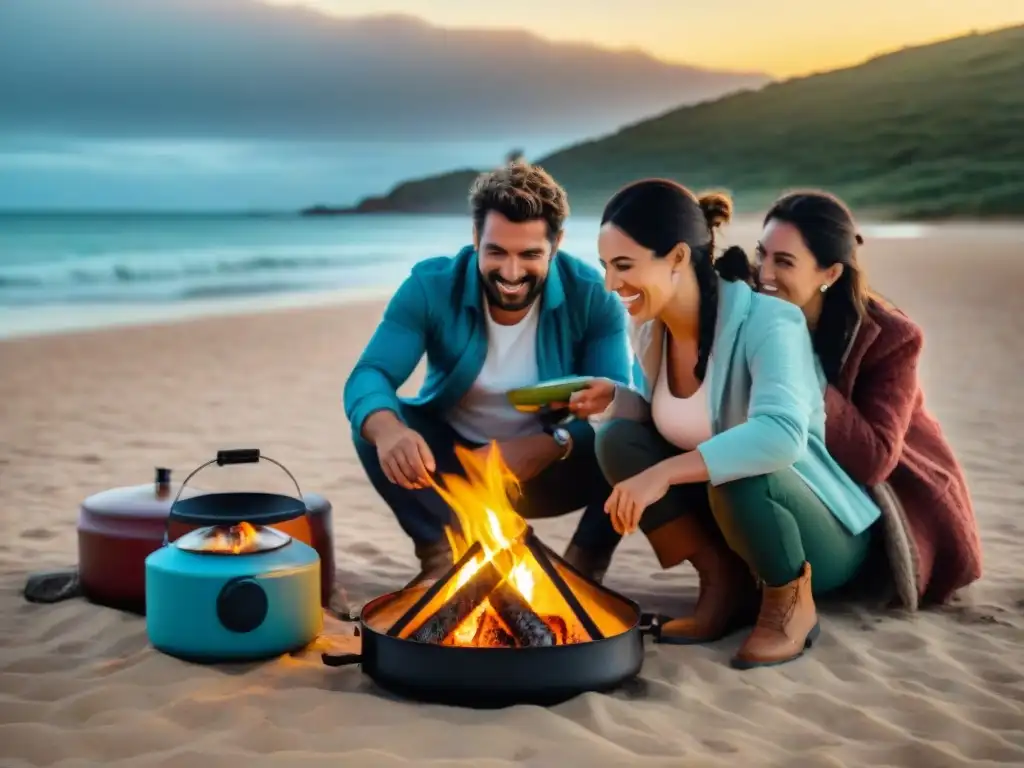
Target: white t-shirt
[(683, 421), (484, 413)]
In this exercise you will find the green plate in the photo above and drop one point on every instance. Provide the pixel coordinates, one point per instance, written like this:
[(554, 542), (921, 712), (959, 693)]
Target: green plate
[(534, 397)]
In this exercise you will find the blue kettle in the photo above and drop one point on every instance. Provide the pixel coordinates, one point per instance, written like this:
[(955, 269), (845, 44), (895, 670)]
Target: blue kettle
[(234, 588)]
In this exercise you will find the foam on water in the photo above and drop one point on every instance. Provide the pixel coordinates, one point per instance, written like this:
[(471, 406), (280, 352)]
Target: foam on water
[(902, 231), (60, 272)]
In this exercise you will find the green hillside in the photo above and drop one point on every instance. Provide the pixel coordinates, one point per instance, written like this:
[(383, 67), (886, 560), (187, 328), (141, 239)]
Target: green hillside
[(925, 132)]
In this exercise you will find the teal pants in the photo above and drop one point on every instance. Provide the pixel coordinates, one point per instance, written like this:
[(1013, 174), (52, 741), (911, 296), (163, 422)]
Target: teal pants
[(774, 522)]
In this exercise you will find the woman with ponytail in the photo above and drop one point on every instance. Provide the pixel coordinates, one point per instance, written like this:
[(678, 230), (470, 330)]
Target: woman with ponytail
[(718, 451), (877, 425)]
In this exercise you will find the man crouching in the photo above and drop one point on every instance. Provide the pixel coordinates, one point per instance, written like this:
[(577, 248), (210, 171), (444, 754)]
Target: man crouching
[(508, 311)]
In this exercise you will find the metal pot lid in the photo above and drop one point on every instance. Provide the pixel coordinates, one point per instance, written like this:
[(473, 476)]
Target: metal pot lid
[(152, 500), (241, 539), (234, 507)]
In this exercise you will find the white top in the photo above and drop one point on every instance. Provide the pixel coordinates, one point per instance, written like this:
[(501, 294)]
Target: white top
[(484, 413), (683, 421)]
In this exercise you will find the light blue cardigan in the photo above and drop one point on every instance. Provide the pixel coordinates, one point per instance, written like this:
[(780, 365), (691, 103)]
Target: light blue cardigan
[(766, 395)]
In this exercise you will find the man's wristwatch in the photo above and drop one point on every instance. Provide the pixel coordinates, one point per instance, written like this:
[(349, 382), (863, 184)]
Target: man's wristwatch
[(562, 438)]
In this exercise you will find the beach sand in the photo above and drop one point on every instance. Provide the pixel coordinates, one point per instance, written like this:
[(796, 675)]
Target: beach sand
[(80, 686)]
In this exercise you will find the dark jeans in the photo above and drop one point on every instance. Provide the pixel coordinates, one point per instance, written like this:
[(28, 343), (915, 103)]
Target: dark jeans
[(775, 522), (564, 487)]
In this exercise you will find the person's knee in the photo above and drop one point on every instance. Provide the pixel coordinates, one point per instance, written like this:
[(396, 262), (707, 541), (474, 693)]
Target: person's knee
[(624, 448), (739, 499)]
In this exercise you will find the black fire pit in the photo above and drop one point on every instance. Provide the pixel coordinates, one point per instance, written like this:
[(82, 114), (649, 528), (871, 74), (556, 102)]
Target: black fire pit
[(512, 654)]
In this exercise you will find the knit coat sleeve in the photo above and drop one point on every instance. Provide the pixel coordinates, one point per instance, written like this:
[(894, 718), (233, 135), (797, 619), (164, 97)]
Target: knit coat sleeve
[(865, 433)]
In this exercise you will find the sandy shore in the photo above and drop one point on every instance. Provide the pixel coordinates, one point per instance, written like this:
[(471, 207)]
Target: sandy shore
[(79, 685)]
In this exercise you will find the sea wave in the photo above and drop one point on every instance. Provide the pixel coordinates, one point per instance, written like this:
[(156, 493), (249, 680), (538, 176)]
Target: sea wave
[(156, 266), (170, 275)]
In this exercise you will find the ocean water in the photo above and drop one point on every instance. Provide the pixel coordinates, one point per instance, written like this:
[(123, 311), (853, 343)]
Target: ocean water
[(69, 271), (89, 259)]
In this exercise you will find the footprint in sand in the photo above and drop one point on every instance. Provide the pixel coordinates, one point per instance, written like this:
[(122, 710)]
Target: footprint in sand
[(38, 534), (905, 642)]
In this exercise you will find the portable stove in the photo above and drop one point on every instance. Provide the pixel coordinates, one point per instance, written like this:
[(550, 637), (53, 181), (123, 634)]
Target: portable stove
[(236, 588)]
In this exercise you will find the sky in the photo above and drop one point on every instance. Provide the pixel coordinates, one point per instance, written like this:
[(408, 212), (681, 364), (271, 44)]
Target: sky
[(178, 103), (781, 37), (234, 104)]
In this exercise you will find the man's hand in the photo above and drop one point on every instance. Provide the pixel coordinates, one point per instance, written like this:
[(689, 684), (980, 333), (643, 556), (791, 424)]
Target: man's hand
[(629, 499), (404, 455), (593, 400), (526, 457)]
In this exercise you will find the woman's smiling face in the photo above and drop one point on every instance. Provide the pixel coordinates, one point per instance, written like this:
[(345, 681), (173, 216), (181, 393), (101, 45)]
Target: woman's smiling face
[(642, 280), (786, 267)]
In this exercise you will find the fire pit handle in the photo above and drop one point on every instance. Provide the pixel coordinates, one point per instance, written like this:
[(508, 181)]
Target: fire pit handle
[(341, 659), (651, 623)]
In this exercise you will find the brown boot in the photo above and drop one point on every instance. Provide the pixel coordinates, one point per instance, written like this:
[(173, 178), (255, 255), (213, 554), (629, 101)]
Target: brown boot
[(435, 561), (727, 599), (786, 625), (591, 564)]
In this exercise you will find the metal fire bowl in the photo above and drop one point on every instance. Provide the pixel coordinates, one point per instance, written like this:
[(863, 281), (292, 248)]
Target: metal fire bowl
[(494, 677)]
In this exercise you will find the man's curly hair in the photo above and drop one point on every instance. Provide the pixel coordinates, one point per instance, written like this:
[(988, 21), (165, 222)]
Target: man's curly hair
[(520, 192)]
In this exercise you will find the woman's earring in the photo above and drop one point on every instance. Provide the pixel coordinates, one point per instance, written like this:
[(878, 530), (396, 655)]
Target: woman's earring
[(824, 287), (675, 277)]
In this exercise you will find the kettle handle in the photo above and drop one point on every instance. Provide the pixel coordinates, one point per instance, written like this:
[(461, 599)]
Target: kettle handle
[(234, 456)]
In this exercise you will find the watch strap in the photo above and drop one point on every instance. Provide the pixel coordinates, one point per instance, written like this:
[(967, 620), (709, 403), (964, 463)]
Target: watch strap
[(562, 437)]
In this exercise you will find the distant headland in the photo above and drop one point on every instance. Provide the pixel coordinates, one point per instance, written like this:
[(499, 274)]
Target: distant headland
[(926, 132)]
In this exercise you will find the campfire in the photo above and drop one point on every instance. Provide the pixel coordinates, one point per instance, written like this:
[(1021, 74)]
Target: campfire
[(510, 622), (506, 589)]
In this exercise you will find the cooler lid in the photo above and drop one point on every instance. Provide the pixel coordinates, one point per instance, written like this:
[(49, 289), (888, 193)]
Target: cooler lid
[(152, 500)]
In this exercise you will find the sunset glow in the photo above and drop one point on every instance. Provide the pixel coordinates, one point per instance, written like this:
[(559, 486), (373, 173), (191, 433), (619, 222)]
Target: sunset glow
[(782, 39)]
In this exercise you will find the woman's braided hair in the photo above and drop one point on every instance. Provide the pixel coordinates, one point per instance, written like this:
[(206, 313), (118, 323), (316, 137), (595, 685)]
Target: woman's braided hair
[(659, 214)]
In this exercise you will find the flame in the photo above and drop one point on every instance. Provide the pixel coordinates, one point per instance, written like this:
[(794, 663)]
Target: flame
[(483, 504), (235, 539)]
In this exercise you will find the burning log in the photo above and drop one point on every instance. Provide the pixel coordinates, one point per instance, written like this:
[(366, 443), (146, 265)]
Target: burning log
[(492, 634), (516, 624), (459, 606), (557, 626), (406, 618), (526, 626), (540, 554), (489, 611)]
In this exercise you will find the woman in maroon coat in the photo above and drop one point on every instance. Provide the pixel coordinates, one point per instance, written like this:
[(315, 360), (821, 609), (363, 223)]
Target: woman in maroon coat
[(877, 426)]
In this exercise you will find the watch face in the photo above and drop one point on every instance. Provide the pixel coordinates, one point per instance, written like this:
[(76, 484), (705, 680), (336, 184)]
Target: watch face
[(561, 436)]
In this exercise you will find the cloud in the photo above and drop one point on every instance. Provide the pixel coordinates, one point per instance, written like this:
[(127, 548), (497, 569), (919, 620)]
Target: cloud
[(188, 174), (242, 69), (138, 157), (235, 104)]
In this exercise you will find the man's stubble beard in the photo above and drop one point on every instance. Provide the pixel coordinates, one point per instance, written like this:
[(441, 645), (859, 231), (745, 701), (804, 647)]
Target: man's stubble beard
[(499, 301)]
